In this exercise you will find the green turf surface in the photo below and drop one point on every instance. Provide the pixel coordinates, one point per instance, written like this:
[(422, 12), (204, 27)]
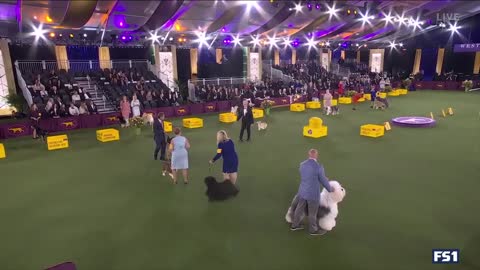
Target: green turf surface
[(106, 206)]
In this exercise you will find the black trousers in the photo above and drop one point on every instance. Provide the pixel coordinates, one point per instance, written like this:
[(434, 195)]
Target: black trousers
[(160, 146), (246, 126)]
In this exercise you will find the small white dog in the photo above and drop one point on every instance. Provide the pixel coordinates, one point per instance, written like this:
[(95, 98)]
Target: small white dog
[(234, 109), (262, 125), (147, 119)]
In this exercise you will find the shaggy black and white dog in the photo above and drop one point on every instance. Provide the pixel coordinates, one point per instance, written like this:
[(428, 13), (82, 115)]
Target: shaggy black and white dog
[(219, 191)]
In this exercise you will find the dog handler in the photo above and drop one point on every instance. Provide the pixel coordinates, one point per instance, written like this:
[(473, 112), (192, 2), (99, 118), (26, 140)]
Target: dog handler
[(226, 150)]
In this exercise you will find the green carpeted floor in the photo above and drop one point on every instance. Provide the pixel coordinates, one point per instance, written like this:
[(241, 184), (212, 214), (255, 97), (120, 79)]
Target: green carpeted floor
[(106, 206)]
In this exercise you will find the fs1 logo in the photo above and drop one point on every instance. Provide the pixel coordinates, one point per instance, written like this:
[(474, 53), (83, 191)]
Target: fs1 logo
[(445, 256)]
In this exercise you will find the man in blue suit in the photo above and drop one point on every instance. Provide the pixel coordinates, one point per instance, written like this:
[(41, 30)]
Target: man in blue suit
[(312, 179), (159, 136)]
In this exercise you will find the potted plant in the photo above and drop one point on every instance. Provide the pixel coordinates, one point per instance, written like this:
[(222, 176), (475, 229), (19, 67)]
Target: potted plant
[(137, 122), (388, 89), (18, 102), (267, 105), (350, 93), (467, 84)]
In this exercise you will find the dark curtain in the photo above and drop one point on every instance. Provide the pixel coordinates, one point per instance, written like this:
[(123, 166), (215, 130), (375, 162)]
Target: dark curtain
[(458, 62), (267, 54), (364, 56), (336, 54), (428, 63), (286, 55), (231, 66), (349, 54), (130, 53), (84, 53), (398, 61), (32, 53), (183, 65)]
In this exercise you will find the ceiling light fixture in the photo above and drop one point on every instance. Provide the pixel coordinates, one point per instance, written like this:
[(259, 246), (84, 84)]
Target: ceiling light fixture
[(237, 41), (392, 44), (332, 11), (255, 41), (454, 28), (298, 7)]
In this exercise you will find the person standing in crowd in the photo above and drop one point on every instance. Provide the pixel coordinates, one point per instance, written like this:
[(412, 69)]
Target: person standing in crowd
[(35, 116), (135, 106), (327, 102), (226, 150), (159, 136), (246, 115), (125, 109), (179, 147), (373, 95), (312, 177)]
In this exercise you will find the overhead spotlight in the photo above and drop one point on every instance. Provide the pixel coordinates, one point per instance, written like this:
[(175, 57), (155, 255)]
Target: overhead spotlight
[(355, 12), (171, 38), (60, 35), (272, 41), (356, 45), (38, 32), (52, 34), (327, 43), (153, 37), (255, 41), (317, 6), (124, 38), (339, 44), (298, 7), (442, 25), (365, 45), (392, 44), (311, 43), (309, 6), (71, 35), (85, 35), (454, 28), (401, 44), (332, 11), (348, 11), (286, 42), (295, 43), (402, 20), (387, 18), (365, 18), (201, 39), (237, 41)]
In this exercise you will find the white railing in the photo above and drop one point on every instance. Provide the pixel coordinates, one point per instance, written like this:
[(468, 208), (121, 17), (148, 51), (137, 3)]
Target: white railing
[(219, 81), (36, 67)]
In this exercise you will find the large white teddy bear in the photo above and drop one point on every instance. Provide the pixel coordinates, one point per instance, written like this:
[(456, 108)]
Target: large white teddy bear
[(328, 210)]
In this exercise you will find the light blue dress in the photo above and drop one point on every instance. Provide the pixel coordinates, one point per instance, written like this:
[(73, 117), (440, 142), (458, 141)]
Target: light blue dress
[(179, 153)]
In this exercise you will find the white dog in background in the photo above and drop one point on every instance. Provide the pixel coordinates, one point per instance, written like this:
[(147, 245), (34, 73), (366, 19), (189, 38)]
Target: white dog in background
[(234, 109), (147, 119), (262, 125)]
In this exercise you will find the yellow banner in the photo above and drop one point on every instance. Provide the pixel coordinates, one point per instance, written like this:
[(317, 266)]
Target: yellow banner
[(108, 135), (57, 142), (2, 151)]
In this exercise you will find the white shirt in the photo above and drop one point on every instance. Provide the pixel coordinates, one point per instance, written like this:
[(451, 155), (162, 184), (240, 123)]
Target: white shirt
[(245, 111), (73, 110)]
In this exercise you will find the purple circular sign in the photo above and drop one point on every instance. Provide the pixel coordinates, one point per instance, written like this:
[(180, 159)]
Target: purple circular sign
[(413, 121)]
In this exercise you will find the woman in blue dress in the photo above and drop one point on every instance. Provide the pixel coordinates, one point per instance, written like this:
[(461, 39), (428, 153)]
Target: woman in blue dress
[(226, 150), (179, 146)]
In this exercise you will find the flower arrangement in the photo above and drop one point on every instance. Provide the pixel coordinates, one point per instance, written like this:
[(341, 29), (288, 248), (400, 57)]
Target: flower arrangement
[(468, 84), (137, 122), (388, 89), (350, 93), (406, 83), (267, 104)]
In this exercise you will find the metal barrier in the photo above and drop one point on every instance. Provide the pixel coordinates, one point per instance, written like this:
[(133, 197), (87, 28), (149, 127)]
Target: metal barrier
[(219, 81), (36, 67)]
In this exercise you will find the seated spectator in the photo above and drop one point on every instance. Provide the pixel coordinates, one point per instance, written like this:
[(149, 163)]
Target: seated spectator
[(83, 109), (76, 97), (59, 102), (38, 86), (139, 86), (43, 93), (92, 108), (54, 91), (56, 112), (73, 110), (49, 105)]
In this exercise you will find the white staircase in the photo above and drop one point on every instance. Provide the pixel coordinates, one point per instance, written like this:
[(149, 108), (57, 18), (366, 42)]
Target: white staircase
[(90, 86)]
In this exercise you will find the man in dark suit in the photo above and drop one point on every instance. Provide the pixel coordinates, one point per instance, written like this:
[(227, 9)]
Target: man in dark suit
[(159, 136), (246, 115)]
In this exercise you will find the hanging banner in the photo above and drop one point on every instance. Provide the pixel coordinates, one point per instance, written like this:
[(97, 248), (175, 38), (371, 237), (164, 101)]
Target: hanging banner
[(254, 67), (376, 62), (166, 67), (470, 47), (324, 59)]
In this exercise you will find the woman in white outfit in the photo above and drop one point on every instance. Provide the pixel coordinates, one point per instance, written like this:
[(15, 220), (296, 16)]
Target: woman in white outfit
[(135, 106)]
